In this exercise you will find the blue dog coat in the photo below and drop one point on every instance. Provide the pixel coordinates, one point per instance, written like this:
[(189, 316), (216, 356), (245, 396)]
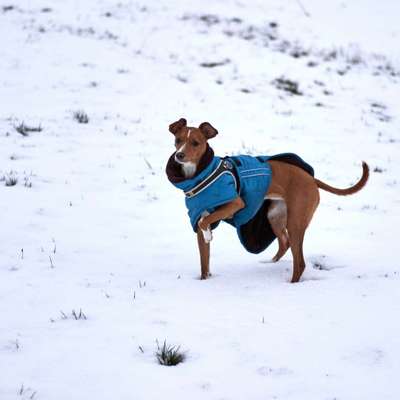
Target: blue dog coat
[(225, 179), (244, 176)]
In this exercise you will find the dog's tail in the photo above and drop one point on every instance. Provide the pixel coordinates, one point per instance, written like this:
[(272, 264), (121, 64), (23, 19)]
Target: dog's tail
[(353, 189)]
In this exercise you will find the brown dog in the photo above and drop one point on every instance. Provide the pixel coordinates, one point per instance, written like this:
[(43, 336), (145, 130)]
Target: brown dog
[(293, 194)]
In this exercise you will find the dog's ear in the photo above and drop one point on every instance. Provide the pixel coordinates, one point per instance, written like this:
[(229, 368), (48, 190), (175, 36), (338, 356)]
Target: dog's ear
[(177, 126), (208, 130)]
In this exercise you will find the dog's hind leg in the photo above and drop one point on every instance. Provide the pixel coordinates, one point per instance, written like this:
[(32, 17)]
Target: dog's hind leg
[(300, 213), (296, 245), (277, 217)]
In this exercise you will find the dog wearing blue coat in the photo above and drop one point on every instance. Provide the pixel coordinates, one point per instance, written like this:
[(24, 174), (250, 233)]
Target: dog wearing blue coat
[(263, 197)]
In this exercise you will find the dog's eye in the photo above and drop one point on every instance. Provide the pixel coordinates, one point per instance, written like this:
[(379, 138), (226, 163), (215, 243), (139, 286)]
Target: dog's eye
[(178, 141), (195, 144)]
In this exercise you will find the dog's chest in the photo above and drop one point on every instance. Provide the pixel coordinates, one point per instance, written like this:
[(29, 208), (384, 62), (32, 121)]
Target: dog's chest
[(246, 176)]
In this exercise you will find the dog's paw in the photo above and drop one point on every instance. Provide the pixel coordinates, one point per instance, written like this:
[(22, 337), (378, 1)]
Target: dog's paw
[(203, 223), (207, 234), (205, 227)]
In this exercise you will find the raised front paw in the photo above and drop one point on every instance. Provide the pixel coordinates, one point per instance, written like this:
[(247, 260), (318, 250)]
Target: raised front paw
[(203, 224), (206, 230)]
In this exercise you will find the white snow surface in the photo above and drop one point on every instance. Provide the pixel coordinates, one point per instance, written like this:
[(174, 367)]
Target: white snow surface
[(93, 224)]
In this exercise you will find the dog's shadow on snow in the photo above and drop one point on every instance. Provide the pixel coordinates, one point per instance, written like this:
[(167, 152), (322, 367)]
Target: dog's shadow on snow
[(317, 269), (253, 271)]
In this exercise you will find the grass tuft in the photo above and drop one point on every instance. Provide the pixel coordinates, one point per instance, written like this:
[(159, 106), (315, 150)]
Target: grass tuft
[(80, 116), (7, 8), (24, 129), (27, 181), (287, 85), (214, 64), (169, 355), (10, 179), (74, 315), (77, 316)]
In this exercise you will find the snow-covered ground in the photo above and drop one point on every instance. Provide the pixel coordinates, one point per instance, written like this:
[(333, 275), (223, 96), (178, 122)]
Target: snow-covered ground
[(92, 223)]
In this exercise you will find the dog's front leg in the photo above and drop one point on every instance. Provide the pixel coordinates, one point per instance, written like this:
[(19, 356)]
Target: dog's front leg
[(204, 248), (223, 212)]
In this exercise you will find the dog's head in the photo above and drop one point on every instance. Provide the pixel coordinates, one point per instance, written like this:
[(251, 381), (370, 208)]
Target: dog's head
[(191, 143)]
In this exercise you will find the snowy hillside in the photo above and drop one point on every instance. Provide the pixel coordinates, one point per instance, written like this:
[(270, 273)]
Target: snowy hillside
[(98, 261)]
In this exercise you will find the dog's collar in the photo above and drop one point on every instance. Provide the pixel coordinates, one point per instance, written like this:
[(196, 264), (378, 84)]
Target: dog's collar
[(224, 167), (215, 169), (201, 181), (174, 169)]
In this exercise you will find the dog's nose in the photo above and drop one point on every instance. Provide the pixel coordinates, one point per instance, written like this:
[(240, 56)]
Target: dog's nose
[(180, 156)]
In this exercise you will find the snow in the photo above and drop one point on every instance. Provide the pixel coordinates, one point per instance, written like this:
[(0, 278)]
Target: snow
[(93, 224)]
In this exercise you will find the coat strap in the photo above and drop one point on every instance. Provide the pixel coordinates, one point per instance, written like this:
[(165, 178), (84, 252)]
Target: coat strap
[(224, 167)]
